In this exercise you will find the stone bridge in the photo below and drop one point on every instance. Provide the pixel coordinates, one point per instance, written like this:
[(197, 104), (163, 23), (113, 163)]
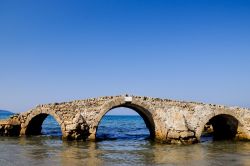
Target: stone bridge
[(168, 121)]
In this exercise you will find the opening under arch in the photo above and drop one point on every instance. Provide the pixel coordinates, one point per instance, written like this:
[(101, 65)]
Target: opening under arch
[(43, 124), (125, 122), (221, 127)]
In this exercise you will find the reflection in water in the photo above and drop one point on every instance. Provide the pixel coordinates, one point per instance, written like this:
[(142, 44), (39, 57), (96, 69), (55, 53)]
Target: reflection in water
[(177, 154), (52, 151), (80, 153), (46, 150)]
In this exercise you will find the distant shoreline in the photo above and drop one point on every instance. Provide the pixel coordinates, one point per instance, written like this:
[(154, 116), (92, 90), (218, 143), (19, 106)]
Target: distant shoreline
[(5, 111)]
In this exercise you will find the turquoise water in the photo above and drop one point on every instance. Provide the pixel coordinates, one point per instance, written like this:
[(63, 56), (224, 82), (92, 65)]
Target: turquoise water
[(123, 140)]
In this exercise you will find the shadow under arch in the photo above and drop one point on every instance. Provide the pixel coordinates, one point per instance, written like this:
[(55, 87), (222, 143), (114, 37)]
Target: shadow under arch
[(222, 127), (142, 110), (34, 125)]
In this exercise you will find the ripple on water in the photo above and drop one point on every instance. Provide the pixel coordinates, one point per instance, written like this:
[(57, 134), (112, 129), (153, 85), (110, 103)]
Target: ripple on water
[(121, 145)]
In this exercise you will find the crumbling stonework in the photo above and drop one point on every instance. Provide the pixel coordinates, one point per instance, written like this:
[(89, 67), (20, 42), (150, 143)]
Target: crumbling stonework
[(167, 120), (10, 127)]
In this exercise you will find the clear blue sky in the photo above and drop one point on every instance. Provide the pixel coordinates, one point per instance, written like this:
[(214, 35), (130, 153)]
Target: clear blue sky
[(52, 51)]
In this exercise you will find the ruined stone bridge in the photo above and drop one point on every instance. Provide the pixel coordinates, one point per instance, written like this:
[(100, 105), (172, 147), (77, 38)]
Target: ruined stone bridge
[(167, 120)]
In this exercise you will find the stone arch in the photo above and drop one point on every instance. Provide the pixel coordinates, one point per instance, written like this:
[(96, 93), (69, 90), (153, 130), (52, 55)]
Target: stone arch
[(140, 107), (34, 121), (226, 125)]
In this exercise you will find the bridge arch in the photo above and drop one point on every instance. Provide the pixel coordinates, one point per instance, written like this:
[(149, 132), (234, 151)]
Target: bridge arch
[(141, 108), (34, 121), (226, 125)]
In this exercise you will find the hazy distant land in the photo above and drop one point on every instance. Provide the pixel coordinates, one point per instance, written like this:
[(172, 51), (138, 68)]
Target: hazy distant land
[(5, 111)]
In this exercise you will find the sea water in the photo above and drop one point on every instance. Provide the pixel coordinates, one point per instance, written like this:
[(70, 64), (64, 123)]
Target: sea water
[(122, 140)]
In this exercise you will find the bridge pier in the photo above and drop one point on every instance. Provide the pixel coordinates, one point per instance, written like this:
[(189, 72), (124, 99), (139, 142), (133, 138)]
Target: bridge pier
[(77, 130), (175, 136)]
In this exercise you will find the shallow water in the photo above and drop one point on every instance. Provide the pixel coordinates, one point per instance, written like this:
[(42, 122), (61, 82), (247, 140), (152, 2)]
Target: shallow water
[(124, 140)]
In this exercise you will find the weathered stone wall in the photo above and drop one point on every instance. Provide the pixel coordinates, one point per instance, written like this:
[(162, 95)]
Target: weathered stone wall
[(10, 127), (168, 120)]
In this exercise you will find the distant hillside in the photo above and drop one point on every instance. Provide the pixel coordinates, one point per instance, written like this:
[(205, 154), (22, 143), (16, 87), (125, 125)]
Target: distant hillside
[(4, 111)]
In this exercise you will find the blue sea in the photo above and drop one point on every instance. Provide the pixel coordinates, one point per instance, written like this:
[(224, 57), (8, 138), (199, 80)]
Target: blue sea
[(122, 140)]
